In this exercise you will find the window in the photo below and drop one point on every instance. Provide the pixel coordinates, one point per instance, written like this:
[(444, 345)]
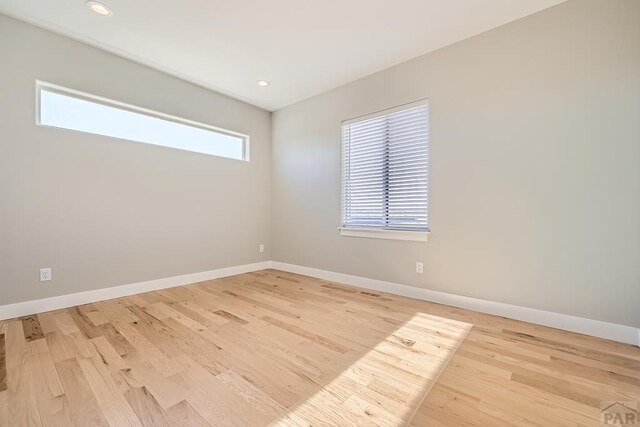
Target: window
[(69, 109), (385, 174)]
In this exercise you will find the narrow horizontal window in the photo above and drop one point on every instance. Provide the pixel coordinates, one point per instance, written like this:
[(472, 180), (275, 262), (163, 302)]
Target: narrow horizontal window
[(67, 109), (386, 170)]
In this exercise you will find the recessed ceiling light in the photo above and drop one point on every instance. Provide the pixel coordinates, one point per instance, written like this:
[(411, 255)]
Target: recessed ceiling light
[(99, 8), (263, 83)]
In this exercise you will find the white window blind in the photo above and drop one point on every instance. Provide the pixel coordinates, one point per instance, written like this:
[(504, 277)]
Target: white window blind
[(386, 170)]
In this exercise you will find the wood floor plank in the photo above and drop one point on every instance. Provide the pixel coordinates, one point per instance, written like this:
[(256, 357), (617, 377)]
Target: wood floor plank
[(54, 410), (65, 323), (115, 407), (307, 334), (3, 364), (194, 345), (251, 394), (22, 405), (283, 386), (147, 409), (182, 414), (277, 348), (108, 354), (43, 368), (83, 405), (32, 328), (229, 404), (4, 422), (166, 391), (146, 350)]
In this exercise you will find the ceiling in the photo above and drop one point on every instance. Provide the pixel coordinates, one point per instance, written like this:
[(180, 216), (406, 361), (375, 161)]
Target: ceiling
[(303, 47)]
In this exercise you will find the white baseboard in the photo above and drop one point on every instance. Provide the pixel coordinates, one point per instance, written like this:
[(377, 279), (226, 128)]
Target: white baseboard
[(596, 328), (63, 301)]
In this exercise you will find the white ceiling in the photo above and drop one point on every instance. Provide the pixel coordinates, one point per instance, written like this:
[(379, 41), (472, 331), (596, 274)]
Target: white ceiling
[(303, 47)]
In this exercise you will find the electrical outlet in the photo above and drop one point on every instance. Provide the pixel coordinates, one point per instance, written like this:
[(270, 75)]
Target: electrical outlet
[(261, 248), (419, 267), (45, 274)]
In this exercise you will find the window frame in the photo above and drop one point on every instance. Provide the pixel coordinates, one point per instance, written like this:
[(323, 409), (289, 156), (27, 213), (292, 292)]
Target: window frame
[(381, 233), (84, 96)]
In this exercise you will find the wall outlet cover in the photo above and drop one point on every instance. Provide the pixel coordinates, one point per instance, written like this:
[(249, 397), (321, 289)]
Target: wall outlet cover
[(45, 274)]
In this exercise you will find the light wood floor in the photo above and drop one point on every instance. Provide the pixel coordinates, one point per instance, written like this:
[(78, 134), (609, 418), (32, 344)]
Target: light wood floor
[(283, 349)]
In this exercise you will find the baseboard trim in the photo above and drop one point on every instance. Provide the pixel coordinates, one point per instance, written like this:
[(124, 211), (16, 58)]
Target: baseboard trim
[(596, 328), (63, 301)]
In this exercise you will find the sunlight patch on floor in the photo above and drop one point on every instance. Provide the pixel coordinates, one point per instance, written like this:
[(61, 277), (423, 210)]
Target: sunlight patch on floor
[(387, 384)]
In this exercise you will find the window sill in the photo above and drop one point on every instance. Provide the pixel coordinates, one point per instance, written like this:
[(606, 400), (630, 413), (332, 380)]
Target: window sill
[(416, 236)]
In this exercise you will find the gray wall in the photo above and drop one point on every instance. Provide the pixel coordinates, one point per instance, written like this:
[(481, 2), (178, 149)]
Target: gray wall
[(535, 178), (103, 212)]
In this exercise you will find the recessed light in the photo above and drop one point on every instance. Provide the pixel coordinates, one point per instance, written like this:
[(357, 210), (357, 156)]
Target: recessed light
[(99, 8), (263, 83)]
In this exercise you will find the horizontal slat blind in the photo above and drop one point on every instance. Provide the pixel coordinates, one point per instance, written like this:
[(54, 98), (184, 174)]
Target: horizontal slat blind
[(386, 169)]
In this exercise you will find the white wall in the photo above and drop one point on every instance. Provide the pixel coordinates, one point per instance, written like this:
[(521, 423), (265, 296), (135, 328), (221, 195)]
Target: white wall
[(535, 183), (103, 212)]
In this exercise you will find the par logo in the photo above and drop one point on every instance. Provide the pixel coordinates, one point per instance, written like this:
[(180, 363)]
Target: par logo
[(620, 413)]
